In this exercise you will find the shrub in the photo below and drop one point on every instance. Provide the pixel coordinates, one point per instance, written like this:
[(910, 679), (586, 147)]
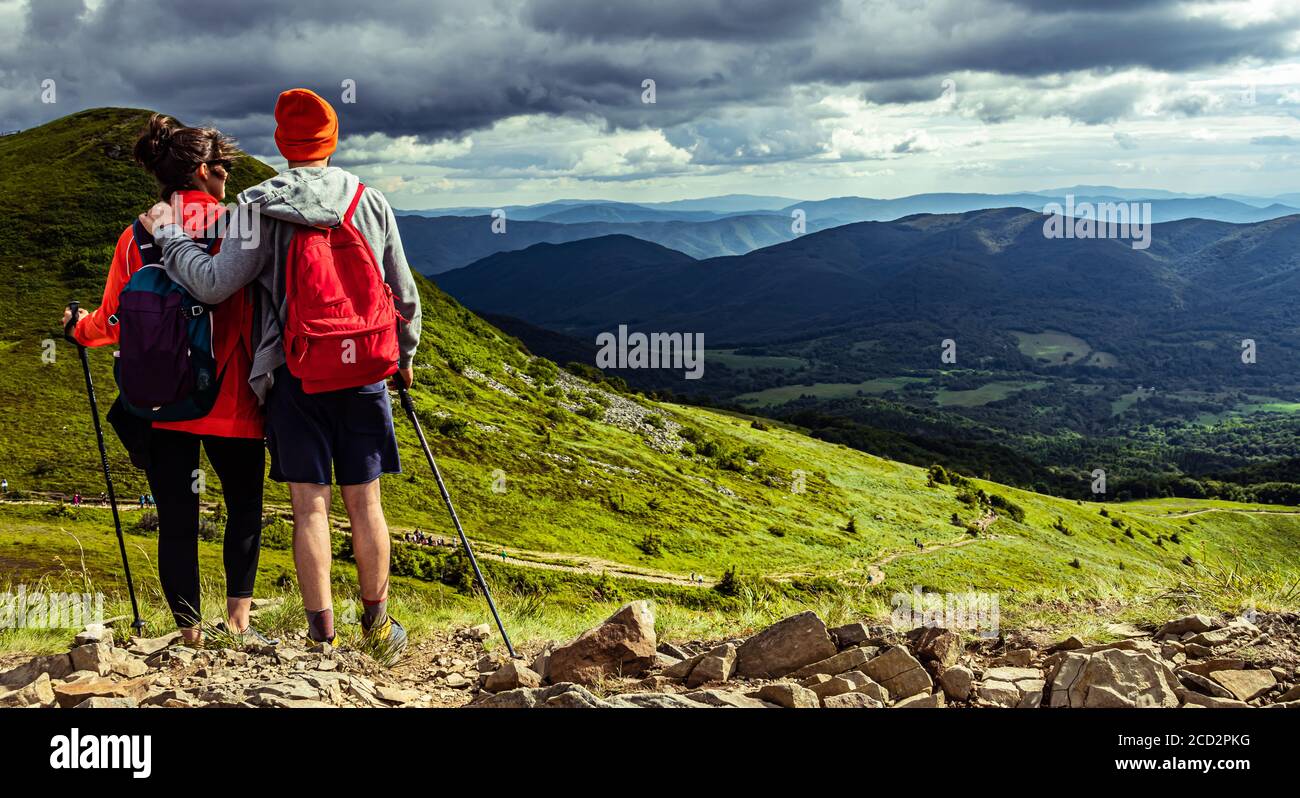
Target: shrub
[(731, 461), (1014, 511), (277, 533), (606, 589), (541, 370), (210, 528), (452, 427), (146, 522), (937, 475), (651, 544)]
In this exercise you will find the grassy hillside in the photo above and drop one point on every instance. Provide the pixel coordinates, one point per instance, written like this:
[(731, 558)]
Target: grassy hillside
[(543, 463)]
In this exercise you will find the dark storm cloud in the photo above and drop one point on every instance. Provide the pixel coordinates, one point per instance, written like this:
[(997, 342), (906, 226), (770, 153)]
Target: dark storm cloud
[(715, 20), (441, 69)]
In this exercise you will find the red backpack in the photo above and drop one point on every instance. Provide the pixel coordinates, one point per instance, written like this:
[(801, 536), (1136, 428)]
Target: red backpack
[(342, 325)]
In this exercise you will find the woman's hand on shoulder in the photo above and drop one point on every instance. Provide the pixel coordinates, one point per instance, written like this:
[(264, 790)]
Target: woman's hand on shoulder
[(159, 215)]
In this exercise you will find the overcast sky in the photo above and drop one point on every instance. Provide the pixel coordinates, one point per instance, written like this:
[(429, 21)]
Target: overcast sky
[(491, 102)]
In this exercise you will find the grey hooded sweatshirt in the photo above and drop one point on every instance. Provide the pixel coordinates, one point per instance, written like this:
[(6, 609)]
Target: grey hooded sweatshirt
[(255, 244)]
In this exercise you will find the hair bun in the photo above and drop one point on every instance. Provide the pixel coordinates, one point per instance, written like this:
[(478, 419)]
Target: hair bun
[(154, 140)]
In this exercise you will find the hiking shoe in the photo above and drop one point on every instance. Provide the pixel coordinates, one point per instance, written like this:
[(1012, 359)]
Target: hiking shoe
[(249, 637), (386, 641)]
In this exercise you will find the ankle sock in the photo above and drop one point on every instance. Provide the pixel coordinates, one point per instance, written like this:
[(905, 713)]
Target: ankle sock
[(320, 625), (374, 612)]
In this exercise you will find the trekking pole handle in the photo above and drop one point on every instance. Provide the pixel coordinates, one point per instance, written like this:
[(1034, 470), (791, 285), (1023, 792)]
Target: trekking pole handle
[(404, 396), (75, 307)]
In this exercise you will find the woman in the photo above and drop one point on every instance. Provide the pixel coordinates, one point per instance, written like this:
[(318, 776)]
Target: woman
[(194, 164)]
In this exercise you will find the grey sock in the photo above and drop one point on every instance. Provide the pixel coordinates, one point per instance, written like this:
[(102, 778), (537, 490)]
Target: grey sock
[(374, 612), (320, 625)]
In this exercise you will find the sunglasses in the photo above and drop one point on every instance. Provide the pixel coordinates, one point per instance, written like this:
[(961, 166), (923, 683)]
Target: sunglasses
[(224, 163)]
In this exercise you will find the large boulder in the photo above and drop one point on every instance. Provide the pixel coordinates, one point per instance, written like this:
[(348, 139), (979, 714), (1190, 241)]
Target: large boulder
[(624, 645), (1113, 678), (957, 682), (899, 673), (1012, 687), (37, 694), (851, 682), (97, 657), (512, 676), (846, 660), (935, 644), (727, 698), (785, 647), (715, 666), (850, 634), (56, 666), (70, 694), (1245, 685), (1188, 623), (564, 694), (851, 701), (790, 696)]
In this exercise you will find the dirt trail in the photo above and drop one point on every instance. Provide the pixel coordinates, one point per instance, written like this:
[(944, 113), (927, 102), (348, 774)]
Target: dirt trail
[(875, 571), (594, 566), (588, 565), (1190, 513)]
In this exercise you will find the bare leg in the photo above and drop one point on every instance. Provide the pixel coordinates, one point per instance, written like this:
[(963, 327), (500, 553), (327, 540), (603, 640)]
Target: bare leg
[(370, 544), (311, 543)]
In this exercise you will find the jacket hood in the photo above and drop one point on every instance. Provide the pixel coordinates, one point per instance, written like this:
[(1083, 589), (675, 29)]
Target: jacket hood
[(316, 196)]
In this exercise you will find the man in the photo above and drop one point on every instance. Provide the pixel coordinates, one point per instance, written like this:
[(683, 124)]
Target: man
[(307, 433)]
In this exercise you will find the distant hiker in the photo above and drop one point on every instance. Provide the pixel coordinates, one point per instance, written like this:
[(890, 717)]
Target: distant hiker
[(76, 499), (328, 416), (4, 485), (191, 165), (503, 555)]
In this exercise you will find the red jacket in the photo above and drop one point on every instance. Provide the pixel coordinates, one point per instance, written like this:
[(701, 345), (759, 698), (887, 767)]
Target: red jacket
[(236, 413)]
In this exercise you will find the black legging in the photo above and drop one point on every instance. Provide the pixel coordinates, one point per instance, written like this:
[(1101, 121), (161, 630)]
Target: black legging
[(239, 463)]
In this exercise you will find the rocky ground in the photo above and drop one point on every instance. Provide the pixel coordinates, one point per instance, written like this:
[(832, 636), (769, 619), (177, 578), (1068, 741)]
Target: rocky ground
[(1193, 661)]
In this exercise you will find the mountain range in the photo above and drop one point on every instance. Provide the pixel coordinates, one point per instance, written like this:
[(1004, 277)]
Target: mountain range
[(995, 265), (736, 224)]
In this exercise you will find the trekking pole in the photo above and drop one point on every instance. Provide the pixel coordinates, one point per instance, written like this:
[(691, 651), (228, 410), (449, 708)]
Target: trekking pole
[(74, 306), (409, 407)]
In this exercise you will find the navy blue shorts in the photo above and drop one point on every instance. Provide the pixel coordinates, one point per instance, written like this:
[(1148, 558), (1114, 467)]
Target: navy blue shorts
[(350, 429)]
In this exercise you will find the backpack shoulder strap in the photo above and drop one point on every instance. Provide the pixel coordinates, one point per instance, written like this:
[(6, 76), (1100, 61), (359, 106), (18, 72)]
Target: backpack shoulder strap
[(150, 252), (356, 199)]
